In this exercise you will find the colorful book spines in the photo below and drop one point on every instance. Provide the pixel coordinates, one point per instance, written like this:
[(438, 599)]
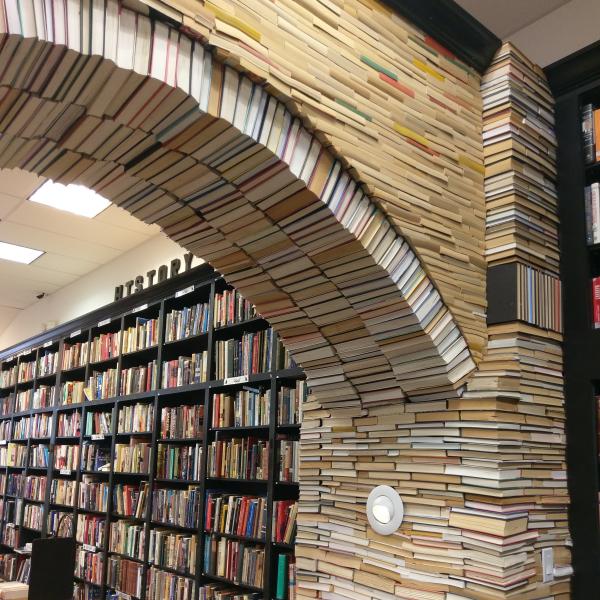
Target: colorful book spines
[(243, 516), (245, 408), (187, 322), (176, 507), (230, 308), (238, 458), (181, 422), (185, 370)]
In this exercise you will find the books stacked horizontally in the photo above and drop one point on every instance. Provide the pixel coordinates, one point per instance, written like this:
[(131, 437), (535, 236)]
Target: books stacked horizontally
[(520, 171)]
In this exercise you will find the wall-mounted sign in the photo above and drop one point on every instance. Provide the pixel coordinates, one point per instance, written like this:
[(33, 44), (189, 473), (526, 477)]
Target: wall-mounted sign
[(154, 276)]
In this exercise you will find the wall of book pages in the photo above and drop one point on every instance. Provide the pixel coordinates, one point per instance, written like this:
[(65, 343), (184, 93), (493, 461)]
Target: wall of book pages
[(358, 230), (243, 183)]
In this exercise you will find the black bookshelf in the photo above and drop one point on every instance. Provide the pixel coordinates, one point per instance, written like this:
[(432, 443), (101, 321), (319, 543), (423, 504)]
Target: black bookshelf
[(199, 285), (575, 81)]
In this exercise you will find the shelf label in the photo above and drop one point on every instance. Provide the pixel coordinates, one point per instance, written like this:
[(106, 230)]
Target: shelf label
[(97, 436), (90, 548), (138, 308), (103, 323), (3, 442), (184, 291), (48, 344), (65, 471), (75, 333), (234, 380)]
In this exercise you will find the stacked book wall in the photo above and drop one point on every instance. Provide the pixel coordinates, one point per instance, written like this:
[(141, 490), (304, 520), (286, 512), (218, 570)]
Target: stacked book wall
[(156, 480)]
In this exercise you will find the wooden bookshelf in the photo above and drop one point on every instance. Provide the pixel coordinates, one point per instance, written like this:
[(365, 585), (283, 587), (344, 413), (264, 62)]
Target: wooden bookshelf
[(575, 82), (199, 286)]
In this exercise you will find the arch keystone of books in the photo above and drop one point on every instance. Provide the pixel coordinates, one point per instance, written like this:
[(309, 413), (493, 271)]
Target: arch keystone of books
[(152, 120)]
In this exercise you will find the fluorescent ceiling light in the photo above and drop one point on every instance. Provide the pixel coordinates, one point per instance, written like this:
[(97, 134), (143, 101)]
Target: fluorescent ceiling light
[(19, 254), (75, 199)]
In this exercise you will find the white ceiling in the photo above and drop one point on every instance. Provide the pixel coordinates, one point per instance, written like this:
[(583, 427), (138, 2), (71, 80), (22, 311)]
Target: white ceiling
[(73, 245), (505, 17)]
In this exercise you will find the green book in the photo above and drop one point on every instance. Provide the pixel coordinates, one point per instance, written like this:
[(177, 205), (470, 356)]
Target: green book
[(282, 567)]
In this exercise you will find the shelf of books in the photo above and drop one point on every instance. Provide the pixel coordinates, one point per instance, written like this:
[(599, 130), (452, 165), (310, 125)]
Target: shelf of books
[(578, 130), (170, 434)]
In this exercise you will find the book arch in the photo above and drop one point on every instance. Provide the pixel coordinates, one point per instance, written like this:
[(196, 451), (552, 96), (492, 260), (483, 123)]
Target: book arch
[(150, 119)]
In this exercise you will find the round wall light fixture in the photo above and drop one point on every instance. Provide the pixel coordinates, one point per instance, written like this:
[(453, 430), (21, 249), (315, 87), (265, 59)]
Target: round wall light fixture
[(385, 510)]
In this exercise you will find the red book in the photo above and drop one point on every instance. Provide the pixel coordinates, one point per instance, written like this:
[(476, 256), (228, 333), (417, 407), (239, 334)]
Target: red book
[(596, 301)]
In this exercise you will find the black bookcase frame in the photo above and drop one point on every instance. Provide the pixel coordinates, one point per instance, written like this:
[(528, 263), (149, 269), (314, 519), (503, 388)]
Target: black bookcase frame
[(199, 281), (574, 82)]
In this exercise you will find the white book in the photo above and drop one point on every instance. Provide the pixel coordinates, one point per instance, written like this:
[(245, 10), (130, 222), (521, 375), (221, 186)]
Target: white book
[(159, 45), (257, 121), (173, 51), (231, 82), (97, 27), (60, 22), (27, 12), (268, 121), (184, 62), (595, 201), (284, 136), (73, 24), (292, 140), (197, 68), (126, 39), (243, 100), (111, 30), (206, 80), (303, 144), (311, 160), (143, 37), (256, 100), (13, 19)]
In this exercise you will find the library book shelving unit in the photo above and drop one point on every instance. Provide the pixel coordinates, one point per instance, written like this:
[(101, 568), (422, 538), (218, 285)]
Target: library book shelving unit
[(167, 425), (575, 83)]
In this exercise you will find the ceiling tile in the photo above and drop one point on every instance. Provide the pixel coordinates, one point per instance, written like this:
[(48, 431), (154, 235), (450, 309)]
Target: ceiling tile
[(8, 204), (42, 272), (73, 226), (7, 314), (21, 184)]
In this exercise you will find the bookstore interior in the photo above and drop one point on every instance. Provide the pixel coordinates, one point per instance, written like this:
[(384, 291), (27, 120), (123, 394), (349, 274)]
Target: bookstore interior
[(299, 300)]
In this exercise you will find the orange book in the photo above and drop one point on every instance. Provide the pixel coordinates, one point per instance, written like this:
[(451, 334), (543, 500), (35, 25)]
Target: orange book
[(597, 133)]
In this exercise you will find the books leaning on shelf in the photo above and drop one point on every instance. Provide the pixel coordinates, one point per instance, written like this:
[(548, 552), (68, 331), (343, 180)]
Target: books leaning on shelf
[(286, 578), (91, 530), (244, 516), (289, 403), (66, 457), (125, 576), (130, 500), (105, 346), (177, 507), (289, 460), (592, 213), (590, 125), (33, 516), (231, 307), (133, 457), (103, 385), (179, 462), (62, 491), (7, 404), (8, 377), (71, 392), (239, 562), (5, 429), (185, 370), (246, 408), (128, 538), (98, 423), (136, 418), (137, 380), (239, 458), (47, 363), (13, 455), (162, 585), (74, 355), (44, 396), (285, 513), (34, 487), (24, 400), (247, 356), (173, 550), (89, 566), (143, 335), (187, 322), (69, 424), (221, 591), (26, 371), (94, 457), (41, 426), (181, 422)]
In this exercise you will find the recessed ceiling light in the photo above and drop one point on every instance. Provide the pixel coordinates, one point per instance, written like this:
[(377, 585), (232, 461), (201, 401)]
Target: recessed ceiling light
[(76, 199), (19, 254)]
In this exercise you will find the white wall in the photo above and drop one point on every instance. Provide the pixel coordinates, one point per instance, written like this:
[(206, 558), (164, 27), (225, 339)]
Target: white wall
[(92, 290), (561, 32)]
